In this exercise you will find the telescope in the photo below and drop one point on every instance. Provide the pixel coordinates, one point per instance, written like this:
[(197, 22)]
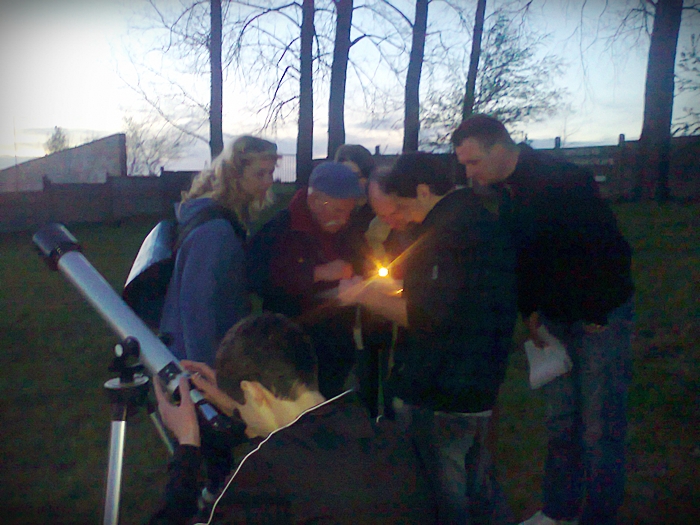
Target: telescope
[(61, 251)]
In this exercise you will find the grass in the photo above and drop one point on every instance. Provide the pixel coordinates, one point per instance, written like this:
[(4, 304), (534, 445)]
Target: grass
[(664, 410), (56, 350)]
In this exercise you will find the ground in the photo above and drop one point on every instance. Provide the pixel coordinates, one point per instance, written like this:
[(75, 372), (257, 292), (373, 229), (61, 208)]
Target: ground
[(55, 352)]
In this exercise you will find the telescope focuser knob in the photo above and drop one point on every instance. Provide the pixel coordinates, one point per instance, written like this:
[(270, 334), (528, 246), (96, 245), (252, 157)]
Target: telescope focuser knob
[(129, 347)]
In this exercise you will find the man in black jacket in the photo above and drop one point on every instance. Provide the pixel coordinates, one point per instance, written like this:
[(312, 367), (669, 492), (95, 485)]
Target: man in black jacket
[(458, 308), (318, 461), (573, 267)]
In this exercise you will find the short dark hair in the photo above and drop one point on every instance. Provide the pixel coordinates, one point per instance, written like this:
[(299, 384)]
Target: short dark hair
[(359, 155), (486, 130), (412, 169), (269, 349)]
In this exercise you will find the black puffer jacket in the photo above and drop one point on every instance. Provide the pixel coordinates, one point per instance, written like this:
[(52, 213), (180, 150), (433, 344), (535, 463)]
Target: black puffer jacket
[(459, 287)]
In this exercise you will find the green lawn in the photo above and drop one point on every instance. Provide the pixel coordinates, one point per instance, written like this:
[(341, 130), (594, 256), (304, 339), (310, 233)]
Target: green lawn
[(56, 350)]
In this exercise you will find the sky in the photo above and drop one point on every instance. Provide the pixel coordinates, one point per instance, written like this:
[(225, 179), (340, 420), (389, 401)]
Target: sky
[(62, 63)]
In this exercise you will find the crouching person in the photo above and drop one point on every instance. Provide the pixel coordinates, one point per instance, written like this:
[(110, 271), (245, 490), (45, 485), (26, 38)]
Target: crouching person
[(318, 460)]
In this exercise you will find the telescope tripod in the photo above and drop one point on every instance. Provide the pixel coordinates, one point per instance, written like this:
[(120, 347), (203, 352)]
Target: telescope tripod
[(126, 394), (61, 251)]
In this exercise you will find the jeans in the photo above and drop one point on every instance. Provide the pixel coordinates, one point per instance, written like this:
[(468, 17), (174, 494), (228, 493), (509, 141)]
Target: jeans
[(587, 421), (452, 449)]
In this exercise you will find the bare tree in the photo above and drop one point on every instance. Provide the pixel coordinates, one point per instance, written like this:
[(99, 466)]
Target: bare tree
[(265, 54), (411, 129), (150, 142), (655, 140), (305, 136), (469, 94), (188, 39), (384, 31), (58, 141), (688, 81), (276, 51), (339, 68), (661, 20), (436, 48), (216, 133), (513, 83)]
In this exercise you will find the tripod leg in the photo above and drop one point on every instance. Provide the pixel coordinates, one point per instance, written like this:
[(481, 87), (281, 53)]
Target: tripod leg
[(116, 459), (155, 419)]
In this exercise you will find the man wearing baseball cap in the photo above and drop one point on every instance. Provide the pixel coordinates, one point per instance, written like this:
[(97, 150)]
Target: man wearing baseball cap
[(297, 259)]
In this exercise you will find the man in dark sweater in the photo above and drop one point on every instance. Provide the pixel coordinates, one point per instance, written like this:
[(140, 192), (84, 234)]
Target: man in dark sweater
[(573, 268), (317, 460), (295, 261), (458, 310)]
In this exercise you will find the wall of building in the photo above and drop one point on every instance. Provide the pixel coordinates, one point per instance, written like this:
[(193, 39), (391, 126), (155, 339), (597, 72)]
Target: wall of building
[(90, 163)]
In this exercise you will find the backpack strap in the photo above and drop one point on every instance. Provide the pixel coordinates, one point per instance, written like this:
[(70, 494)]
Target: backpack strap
[(208, 214)]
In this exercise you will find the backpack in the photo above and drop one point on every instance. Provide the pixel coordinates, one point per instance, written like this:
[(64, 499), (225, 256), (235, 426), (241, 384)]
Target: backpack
[(152, 269)]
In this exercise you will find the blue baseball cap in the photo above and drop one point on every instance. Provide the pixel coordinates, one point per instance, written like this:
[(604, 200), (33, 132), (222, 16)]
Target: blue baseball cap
[(336, 180)]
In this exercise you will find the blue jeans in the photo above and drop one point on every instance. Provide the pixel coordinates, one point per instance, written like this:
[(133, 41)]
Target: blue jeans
[(587, 421), (452, 449)]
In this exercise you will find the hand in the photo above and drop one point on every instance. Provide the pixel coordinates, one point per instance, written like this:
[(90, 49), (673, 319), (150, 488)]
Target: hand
[(201, 371), (180, 419), (333, 271), (533, 324), (204, 379)]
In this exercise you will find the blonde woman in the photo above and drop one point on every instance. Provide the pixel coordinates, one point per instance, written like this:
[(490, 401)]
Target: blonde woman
[(207, 292)]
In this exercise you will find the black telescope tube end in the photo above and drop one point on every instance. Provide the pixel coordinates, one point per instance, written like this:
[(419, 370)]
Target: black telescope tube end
[(53, 241)]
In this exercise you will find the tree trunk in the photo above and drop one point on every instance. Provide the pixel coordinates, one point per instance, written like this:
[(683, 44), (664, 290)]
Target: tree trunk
[(305, 136), (411, 123), (216, 135), (339, 70), (468, 107), (655, 140)]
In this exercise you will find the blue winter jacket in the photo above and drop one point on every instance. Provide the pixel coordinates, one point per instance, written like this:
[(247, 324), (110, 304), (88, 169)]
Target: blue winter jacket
[(207, 292)]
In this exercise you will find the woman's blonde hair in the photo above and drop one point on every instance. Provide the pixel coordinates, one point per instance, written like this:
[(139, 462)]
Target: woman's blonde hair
[(222, 181)]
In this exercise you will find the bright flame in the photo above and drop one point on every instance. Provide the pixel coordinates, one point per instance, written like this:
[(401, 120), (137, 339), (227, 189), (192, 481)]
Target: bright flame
[(383, 272)]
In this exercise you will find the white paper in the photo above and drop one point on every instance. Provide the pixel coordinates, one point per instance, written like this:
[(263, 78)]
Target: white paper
[(546, 363)]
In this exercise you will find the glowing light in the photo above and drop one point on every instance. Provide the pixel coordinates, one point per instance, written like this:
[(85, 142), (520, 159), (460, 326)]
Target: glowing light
[(383, 272)]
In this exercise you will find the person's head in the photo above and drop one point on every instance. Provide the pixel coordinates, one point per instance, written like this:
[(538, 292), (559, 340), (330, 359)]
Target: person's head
[(332, 195), (240, 176), (263, 361), (358, 159), (385, 206), (408, 192), (485, 148)]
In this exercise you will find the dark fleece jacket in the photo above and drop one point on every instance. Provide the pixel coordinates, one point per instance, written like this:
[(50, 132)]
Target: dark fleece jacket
[(573, 262)]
